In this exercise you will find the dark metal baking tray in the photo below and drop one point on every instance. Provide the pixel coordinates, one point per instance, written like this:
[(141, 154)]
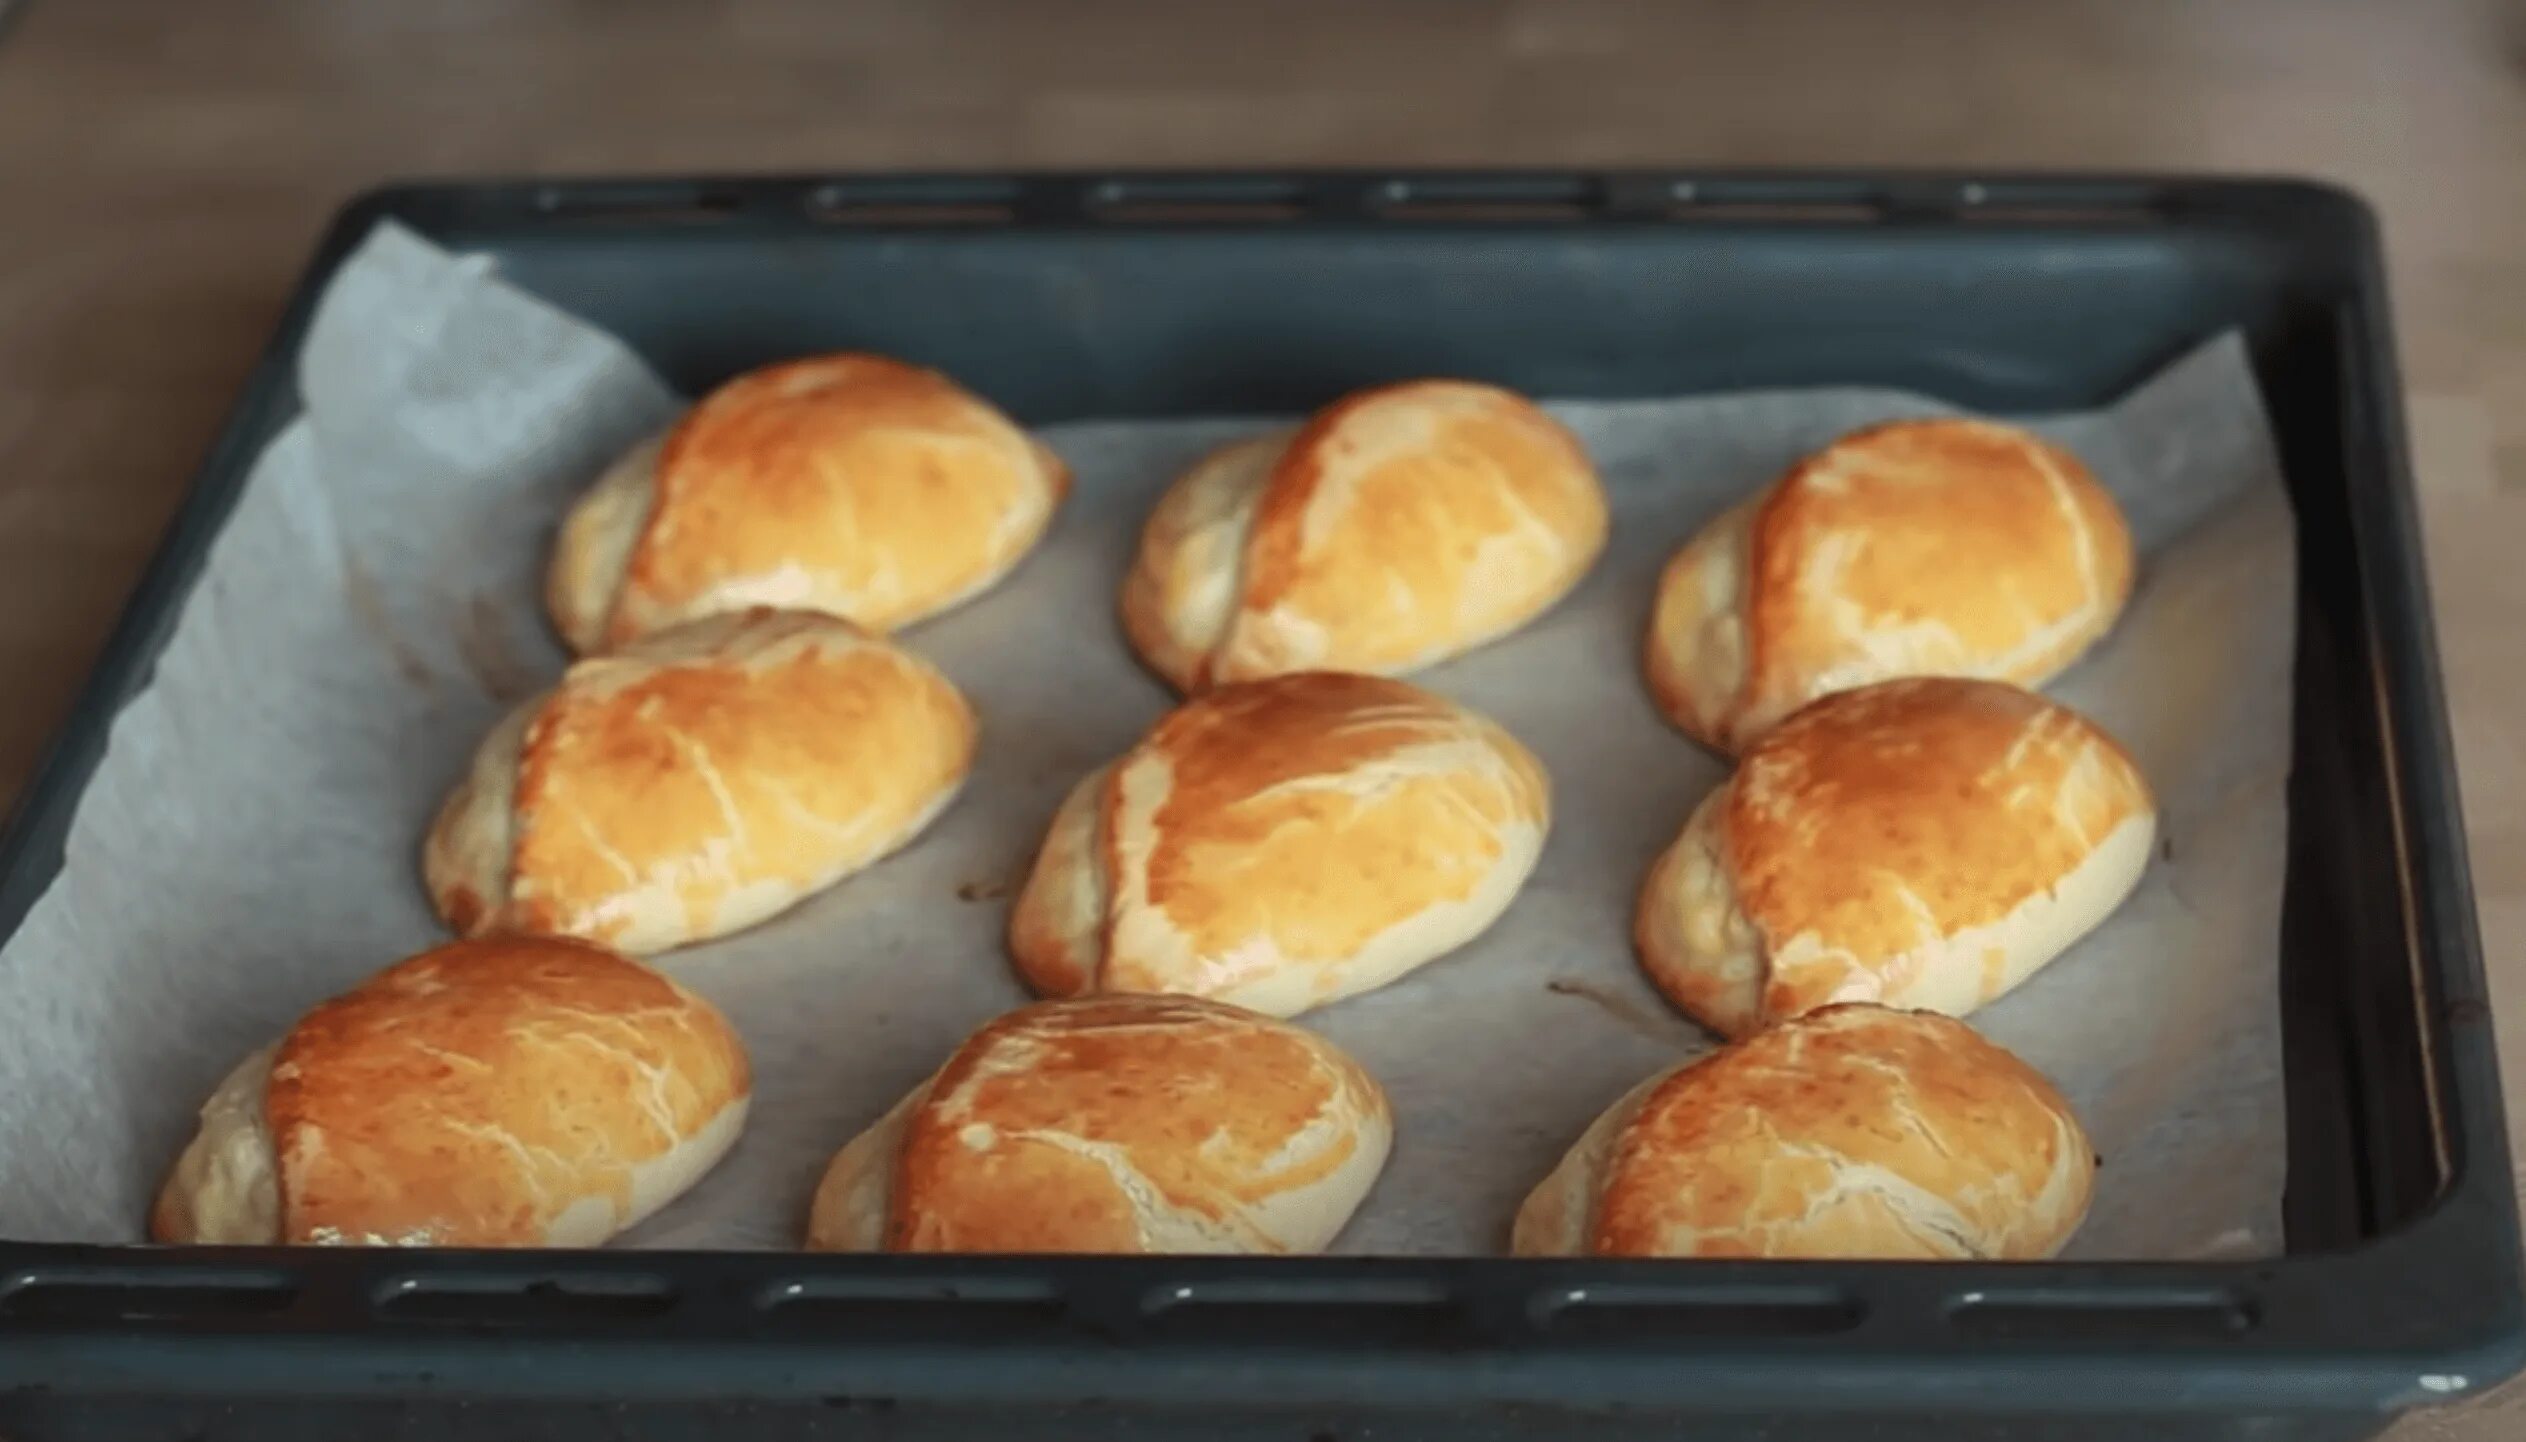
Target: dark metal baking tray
[(1071, 296)]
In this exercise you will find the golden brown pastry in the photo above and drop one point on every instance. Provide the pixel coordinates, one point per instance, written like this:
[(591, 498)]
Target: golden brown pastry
[(697, 782), (514, 1092), (1914, 548), (1281, 844), (1852, 1132), (1397, 527), (850, 484), (1115, 1124), (1921, 843)]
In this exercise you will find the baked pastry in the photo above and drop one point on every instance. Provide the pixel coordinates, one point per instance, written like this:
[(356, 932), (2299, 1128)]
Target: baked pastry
[(697, 782), (1922, 843), (1851, 1132), (1399, 526), (1281, 844), (1115, 1124), (1914, 548), (850, 484), (514, 1092)]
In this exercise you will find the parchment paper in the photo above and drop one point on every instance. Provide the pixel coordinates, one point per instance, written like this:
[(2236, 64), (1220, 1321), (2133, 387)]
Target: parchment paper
[(249, 844)]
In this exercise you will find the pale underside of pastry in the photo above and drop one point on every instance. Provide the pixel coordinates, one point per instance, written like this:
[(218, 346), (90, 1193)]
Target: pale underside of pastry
[(849, 484), (1397, 527), (1914, 548), (505, 1092), (1925, 843), (1282, 844), (697, 782), (1115, 1124), (1852, 1132)]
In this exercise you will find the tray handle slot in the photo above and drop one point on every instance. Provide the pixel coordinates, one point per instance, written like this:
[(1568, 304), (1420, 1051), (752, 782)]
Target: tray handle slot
[(1363, 1313), (2004, 202), (915, 1310), (555, 1298), (1487, 197), (916, 201), (1195, 200), (1649, 1313), (1767, 202), (640, 203), (2123, 1314), (188, 1296)]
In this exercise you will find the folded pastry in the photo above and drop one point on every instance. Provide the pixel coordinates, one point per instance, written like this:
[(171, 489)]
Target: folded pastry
[(1914, 548), (1852, 1132), (1922, 843), (1115, 1124), (514, 1092), (1281, 844), (1397, 527), (850, 484), (697, 782)]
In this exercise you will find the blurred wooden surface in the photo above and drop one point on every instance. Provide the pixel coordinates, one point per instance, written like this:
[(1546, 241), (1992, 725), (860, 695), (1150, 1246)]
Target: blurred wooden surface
[(167, 165)]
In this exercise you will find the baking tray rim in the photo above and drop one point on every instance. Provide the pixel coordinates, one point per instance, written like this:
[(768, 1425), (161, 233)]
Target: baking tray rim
[(136, 1319)]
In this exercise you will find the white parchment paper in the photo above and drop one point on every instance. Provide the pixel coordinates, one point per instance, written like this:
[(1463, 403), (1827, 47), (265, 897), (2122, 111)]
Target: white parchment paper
[(249, 845)]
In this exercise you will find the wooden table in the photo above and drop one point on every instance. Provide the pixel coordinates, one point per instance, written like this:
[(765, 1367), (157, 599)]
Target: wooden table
[(167, 165)]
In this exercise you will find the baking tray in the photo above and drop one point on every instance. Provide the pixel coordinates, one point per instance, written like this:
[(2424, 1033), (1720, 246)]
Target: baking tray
[(1071, 296)]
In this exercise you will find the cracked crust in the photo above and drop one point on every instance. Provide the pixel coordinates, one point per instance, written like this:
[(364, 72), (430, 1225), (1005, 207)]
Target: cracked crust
[(511, 1092), (1853, 1132), (697, 782), (1282, 844), (1922, 843), (1115, 1124), (1398, 527), (849, 484), (1913, 548)]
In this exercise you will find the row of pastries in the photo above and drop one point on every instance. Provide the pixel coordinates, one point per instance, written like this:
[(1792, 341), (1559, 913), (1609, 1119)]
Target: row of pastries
[(1908, 833)]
